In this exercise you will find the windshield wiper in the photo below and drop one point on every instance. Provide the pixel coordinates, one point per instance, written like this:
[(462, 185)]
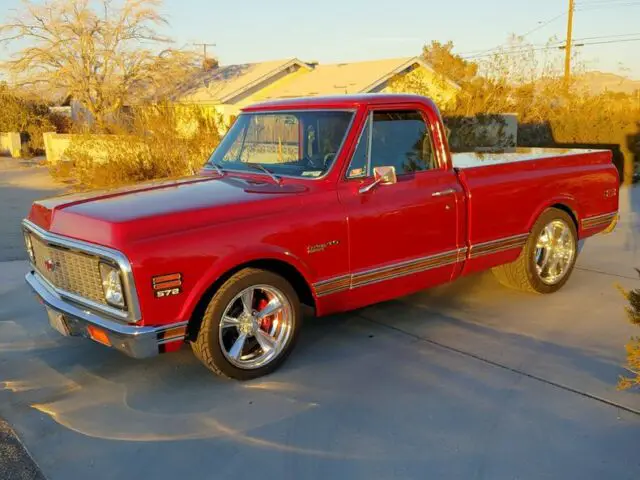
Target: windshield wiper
[(259, 166), (218, 168)]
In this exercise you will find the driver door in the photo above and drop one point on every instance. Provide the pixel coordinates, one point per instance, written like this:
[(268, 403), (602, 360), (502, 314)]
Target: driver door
[(403, 236)]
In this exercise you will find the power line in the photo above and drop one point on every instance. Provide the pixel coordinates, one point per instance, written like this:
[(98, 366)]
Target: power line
[(204, 47), (611, 2), (577, 7), (544, 24), (614, 4), (614, 41), (540, 26), (609, 36), (553, 46), (581, 7), (514, 51)]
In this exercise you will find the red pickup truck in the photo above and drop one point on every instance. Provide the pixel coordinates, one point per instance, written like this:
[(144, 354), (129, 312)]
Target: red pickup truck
[(330, 202)]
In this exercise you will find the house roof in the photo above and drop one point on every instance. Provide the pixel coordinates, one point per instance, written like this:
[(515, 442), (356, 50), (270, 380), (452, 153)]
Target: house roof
[(227, 82), (341, 78), (223, 84)]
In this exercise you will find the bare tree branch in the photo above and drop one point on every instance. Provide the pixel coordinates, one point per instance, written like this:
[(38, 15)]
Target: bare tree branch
[(94, 52)]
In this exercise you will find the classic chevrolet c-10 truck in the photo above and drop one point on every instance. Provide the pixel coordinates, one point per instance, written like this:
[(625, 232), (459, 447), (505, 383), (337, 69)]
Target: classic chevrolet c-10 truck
[(330, 202)]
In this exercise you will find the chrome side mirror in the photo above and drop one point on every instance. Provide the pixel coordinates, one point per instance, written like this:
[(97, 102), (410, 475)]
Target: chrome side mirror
[(382, 176)]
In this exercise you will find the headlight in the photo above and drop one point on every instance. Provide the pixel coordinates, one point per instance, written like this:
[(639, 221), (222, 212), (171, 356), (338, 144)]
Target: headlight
[(29, 246), (112, 285)]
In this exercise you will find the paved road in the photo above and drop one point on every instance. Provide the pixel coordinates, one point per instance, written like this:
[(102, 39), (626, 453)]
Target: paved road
[(468, 380), (20, 184)]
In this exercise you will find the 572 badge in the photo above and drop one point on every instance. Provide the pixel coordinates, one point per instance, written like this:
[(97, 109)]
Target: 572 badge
[(167, 285), (167, 293)]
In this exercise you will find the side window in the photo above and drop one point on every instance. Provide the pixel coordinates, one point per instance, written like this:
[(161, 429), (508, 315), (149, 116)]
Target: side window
[(358, 165), (401, 139)]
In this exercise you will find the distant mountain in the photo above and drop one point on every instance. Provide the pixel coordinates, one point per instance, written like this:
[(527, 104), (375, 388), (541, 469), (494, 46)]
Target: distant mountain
[(598, 82)]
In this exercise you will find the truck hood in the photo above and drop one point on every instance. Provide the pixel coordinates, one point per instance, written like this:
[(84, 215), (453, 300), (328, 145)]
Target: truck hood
[(115, 217)]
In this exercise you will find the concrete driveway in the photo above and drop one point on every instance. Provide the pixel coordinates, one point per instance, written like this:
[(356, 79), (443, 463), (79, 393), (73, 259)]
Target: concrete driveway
[(469, 380), (21, 182)]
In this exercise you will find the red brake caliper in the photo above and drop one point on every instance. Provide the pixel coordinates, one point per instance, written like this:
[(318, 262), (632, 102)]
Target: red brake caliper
[(266, 322)]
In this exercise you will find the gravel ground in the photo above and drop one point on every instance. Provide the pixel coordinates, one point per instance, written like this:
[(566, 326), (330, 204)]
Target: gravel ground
[(15, 461)]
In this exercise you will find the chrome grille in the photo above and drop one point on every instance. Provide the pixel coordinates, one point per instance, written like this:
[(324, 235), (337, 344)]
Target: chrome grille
[(72, 271)]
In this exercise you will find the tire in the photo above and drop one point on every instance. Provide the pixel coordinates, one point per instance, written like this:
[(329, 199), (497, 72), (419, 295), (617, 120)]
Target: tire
[(213, 345), (522, 274)]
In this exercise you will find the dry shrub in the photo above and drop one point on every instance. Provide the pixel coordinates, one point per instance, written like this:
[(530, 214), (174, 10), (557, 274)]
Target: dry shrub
[(480, 132), (32, 138), (633, 347), (27, 115), (159, 141), (61, 123), (527, 81)]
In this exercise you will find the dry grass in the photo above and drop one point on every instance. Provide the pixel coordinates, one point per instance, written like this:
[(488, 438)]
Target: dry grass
[(522, 80), (158, 141), (633, 347)]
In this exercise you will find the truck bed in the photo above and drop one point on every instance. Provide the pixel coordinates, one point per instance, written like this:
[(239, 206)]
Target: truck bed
[(521, 154), (507, 192)]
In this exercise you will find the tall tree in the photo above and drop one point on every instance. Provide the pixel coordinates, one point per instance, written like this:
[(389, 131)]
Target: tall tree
[(100, 54)]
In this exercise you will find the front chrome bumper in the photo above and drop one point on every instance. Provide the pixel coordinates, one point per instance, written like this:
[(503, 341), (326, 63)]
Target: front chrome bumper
[(135, 341)]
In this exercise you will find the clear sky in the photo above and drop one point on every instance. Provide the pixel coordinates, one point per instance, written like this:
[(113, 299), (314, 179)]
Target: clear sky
[(351, 30)]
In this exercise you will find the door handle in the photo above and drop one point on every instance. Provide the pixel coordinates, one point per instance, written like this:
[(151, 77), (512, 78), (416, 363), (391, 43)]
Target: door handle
[(442, 193)]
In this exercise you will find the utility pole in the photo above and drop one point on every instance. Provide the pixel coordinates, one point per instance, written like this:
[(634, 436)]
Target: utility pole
[(204, 47), (567, 53)]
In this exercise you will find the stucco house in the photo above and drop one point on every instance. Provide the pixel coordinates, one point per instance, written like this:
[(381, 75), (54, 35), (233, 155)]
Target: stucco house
[(228, 88)]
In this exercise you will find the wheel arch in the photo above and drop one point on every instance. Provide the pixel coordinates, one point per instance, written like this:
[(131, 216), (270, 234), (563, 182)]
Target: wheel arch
[(574, 216), (281, 267), (566, 204)]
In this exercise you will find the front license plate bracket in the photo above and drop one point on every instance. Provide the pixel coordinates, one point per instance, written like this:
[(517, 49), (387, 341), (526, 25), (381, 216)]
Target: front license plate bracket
[(58, 322)]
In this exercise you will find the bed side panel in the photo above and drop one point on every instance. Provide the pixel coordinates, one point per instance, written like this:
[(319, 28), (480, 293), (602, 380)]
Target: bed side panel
[(506, 199)]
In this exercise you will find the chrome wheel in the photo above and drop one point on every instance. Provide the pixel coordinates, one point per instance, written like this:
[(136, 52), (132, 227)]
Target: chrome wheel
[(255, 326), (555, 250)]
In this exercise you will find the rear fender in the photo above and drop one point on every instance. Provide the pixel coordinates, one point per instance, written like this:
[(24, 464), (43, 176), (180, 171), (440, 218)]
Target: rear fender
[(566, 201)]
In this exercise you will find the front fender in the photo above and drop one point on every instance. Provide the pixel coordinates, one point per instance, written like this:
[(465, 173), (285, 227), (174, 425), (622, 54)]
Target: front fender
[(246, 256)]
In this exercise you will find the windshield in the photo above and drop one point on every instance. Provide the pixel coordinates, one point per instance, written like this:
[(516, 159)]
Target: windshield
[(299, 144)]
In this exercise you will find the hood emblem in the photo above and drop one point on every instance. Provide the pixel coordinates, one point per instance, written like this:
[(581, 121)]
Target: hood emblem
[(50, 265)]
